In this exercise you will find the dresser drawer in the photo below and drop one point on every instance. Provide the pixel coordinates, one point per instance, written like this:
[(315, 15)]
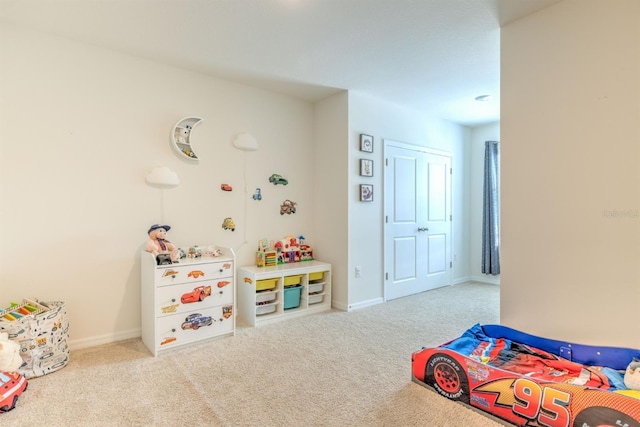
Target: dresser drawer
[(192, 326), (193, 296), (193, 272)]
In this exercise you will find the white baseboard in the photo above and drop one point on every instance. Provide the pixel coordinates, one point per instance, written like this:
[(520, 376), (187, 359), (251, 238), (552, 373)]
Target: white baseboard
[(492, 280), (462, 280), (103, 339), (363, 304)]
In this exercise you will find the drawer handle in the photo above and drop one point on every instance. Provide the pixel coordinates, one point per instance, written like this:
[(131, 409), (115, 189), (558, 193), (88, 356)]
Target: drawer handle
[(173, 330), (221, 270), (221, 292), (173, 276), (173, 300)]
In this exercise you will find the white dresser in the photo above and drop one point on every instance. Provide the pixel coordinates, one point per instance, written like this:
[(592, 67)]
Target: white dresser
[(187, 302)]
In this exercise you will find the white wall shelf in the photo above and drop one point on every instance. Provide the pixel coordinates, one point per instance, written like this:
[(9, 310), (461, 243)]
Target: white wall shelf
[(181, 137)]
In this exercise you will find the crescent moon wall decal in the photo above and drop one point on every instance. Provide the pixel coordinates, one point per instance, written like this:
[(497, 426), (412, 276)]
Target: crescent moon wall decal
[(181, 137)]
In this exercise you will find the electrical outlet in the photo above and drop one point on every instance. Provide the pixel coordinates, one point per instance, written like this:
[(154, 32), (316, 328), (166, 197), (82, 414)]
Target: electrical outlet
[(358, 271)]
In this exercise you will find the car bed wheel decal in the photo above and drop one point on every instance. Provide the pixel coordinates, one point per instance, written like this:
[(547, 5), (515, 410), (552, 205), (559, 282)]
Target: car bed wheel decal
[(447, 377), (599, 416)]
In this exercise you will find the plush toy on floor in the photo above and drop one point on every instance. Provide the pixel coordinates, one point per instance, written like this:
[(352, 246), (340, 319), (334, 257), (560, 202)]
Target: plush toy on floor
[(158, 244), (10, 359)]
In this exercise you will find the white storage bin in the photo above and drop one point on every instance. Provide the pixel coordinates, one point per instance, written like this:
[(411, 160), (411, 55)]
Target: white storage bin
[(266, 296), (316, 288), (265, 309), (315, 299)]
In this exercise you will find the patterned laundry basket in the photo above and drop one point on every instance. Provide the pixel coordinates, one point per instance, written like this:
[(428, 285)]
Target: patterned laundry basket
[(42, 335)]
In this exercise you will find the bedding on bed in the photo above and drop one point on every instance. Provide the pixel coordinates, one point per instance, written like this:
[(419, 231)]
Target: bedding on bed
[(533, 362)]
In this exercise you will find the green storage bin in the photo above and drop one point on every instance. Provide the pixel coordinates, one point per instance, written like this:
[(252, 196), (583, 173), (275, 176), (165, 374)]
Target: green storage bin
[(292, 297)]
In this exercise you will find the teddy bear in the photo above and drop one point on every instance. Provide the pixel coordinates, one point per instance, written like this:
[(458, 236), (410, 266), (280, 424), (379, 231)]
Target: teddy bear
[(632, 375), (10, 359), (158, 244)]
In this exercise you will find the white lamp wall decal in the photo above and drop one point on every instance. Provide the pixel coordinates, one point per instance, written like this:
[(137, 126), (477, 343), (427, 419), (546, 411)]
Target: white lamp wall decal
[(161, 177), (246, 142)]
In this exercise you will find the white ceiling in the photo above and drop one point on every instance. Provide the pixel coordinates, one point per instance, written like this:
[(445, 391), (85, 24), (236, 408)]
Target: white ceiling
[(430, 55)]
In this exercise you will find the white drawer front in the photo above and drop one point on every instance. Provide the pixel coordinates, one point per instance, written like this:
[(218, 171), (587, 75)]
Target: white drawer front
[(177, 273), (193, 326), (193, 296)]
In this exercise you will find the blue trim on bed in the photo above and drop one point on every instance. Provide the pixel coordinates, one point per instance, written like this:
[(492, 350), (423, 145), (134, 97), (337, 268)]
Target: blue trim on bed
[(612, 357)]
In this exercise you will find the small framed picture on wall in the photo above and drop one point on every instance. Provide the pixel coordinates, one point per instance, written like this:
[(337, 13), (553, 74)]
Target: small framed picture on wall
[(366, 143), (366, 167), (366, 193)]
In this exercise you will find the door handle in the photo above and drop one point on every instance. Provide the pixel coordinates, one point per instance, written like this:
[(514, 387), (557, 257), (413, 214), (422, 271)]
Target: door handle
[(423, 229)]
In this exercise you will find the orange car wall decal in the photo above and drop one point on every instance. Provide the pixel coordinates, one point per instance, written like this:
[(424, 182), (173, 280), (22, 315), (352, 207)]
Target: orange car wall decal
[(198, 294), (195, 274), (169, 272)]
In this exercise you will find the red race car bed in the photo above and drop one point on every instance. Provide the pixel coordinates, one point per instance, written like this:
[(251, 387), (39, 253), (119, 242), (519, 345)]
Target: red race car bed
[(532, 381)]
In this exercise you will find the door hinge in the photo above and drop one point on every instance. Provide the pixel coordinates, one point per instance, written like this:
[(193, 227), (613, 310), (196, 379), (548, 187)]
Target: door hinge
[(450, 217), (386, 219), (386, 162), (450, 264), (450, 171), (386, 276)]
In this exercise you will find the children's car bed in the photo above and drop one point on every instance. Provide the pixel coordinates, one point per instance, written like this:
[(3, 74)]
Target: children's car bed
[(532, 381)]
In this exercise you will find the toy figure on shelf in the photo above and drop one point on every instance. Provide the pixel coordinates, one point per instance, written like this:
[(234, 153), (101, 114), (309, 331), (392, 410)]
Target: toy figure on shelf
[(284, 251), (158, 245)]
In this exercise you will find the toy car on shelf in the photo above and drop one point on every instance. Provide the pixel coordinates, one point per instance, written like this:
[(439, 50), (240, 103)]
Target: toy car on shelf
[(276, 179), (196, 320), (198, 294), (226, 187)]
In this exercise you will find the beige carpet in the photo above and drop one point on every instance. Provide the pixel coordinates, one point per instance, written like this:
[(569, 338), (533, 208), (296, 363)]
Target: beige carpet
[(330, 369)]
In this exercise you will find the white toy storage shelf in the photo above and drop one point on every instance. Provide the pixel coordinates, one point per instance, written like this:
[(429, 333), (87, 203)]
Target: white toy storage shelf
[(181, 137), (269, 294)]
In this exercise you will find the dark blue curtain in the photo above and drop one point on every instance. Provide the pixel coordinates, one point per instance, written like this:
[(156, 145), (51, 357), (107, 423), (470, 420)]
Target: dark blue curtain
[(491, 210)]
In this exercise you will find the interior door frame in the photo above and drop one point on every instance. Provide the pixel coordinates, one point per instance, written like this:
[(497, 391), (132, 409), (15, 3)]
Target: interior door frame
[(385, 238)]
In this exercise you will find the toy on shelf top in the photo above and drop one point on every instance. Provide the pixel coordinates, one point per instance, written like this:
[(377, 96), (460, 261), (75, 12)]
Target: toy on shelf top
[(289, 249), (159, 246)]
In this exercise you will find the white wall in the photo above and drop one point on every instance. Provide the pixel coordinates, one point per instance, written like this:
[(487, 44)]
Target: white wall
[(387, 121), (571, 172), (330, 192), (81, 128), (479, 134)]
